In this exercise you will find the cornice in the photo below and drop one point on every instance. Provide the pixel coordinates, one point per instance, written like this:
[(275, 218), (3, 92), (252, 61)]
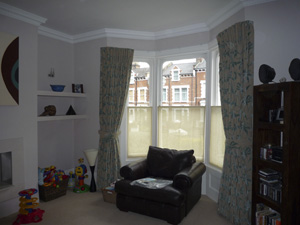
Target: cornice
[(48, 32), (20, 14)]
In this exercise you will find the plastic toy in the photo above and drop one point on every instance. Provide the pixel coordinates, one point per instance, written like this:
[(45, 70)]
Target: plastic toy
[(71, 183), (41, 176), (80, 172), (27, 204), (53, 176)]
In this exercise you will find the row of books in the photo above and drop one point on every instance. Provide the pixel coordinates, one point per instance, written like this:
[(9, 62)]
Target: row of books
[(266, 216), (270, 184), (272, 153)]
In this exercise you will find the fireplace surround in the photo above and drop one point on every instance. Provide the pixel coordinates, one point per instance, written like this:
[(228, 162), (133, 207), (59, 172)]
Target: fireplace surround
[(12, 170)]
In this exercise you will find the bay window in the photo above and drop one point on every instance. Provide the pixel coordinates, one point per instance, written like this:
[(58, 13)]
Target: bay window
[(177, 119)]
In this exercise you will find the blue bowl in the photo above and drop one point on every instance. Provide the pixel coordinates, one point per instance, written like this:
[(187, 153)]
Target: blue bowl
[(58, 88)]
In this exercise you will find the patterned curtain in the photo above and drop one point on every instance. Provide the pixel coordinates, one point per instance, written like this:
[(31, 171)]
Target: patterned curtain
[(115, 74), (236, 46)]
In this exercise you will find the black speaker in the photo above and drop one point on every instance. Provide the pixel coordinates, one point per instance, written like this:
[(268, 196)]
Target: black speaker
[(294, 69), (266, 73)]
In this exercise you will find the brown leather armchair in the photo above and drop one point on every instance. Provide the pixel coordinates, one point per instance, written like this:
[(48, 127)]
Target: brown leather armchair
[(171, 202)]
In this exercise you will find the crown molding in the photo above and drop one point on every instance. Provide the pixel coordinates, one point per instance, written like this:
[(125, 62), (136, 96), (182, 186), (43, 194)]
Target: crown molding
[(140, 35), (48, 32), (20, 14), (180, 31), (114, 33)]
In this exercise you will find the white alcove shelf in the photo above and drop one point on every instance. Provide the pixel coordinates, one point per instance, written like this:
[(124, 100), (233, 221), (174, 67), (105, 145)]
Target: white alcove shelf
[(60, 95)]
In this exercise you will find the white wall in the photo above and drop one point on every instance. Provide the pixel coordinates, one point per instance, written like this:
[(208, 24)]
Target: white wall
[(20, 121), (277, 35), (55, 138)]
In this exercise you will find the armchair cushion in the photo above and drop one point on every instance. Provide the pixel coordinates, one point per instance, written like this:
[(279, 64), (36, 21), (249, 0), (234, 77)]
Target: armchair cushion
[(135, 170), (166, 163)]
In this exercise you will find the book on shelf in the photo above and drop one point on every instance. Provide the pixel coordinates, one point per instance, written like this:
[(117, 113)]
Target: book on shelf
[(270, 181), (267, 172), (271, 191), (270, 184), (266, 216)]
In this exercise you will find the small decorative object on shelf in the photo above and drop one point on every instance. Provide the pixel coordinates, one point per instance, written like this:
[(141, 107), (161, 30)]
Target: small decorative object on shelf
[(294, 69), (50, 110), (57, 87), (266, 73), (27, 204), (80, 171), (281, 80), (52, 73), (71, 111), (77, 88)]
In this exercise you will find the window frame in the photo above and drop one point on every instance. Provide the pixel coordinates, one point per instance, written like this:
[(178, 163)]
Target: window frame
[(180, 87), (129, 101), (165, 95), (173, 74), (156, 61), (139, 94)]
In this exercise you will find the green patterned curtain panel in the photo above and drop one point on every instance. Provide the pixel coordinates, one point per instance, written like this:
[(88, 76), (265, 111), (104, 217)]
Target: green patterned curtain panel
[(236, 46), (115, 74)]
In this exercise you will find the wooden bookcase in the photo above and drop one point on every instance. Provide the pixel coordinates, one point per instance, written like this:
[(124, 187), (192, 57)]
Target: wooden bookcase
[(285, 133)]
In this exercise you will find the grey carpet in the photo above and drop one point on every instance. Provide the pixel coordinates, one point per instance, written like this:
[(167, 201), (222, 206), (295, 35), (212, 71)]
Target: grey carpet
[(89, 209)]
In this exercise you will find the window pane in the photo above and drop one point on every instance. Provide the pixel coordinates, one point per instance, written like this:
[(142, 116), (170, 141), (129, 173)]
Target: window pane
[(139, 129), (217, 138), (217, 135), (140, 75), (189, 87), (182, 128), (176, 95), (175, 75), (142, 95), (139, 116), (184, 94), (164, 95), (131, 95)]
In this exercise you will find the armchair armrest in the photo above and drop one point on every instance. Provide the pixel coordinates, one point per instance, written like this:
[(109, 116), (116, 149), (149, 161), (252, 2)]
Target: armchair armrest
[(188, 176), (134, 170)]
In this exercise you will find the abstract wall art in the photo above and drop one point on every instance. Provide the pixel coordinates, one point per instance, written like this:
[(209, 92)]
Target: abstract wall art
[(9, 69)]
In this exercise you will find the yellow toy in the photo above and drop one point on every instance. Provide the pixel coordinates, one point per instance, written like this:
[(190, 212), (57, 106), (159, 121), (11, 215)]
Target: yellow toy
[(80, 172)]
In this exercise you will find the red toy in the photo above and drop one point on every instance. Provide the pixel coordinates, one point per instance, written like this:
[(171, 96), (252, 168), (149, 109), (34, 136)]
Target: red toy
[(27, 213)]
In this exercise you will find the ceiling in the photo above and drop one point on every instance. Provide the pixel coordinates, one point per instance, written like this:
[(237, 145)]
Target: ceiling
[(75, 17)]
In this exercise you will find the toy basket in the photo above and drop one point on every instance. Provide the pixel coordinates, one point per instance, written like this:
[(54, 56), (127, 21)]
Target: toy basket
[(109, 195), (50, 192)]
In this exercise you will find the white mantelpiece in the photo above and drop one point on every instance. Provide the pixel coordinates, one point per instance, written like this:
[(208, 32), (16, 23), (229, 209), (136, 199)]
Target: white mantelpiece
[(15, 146)]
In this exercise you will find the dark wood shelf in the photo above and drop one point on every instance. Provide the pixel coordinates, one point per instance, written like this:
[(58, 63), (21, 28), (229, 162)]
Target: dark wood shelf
[(270, 126), (274, 205), (270, 164)]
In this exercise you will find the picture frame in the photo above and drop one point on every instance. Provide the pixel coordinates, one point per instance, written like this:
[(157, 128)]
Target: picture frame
[(77, 88)]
